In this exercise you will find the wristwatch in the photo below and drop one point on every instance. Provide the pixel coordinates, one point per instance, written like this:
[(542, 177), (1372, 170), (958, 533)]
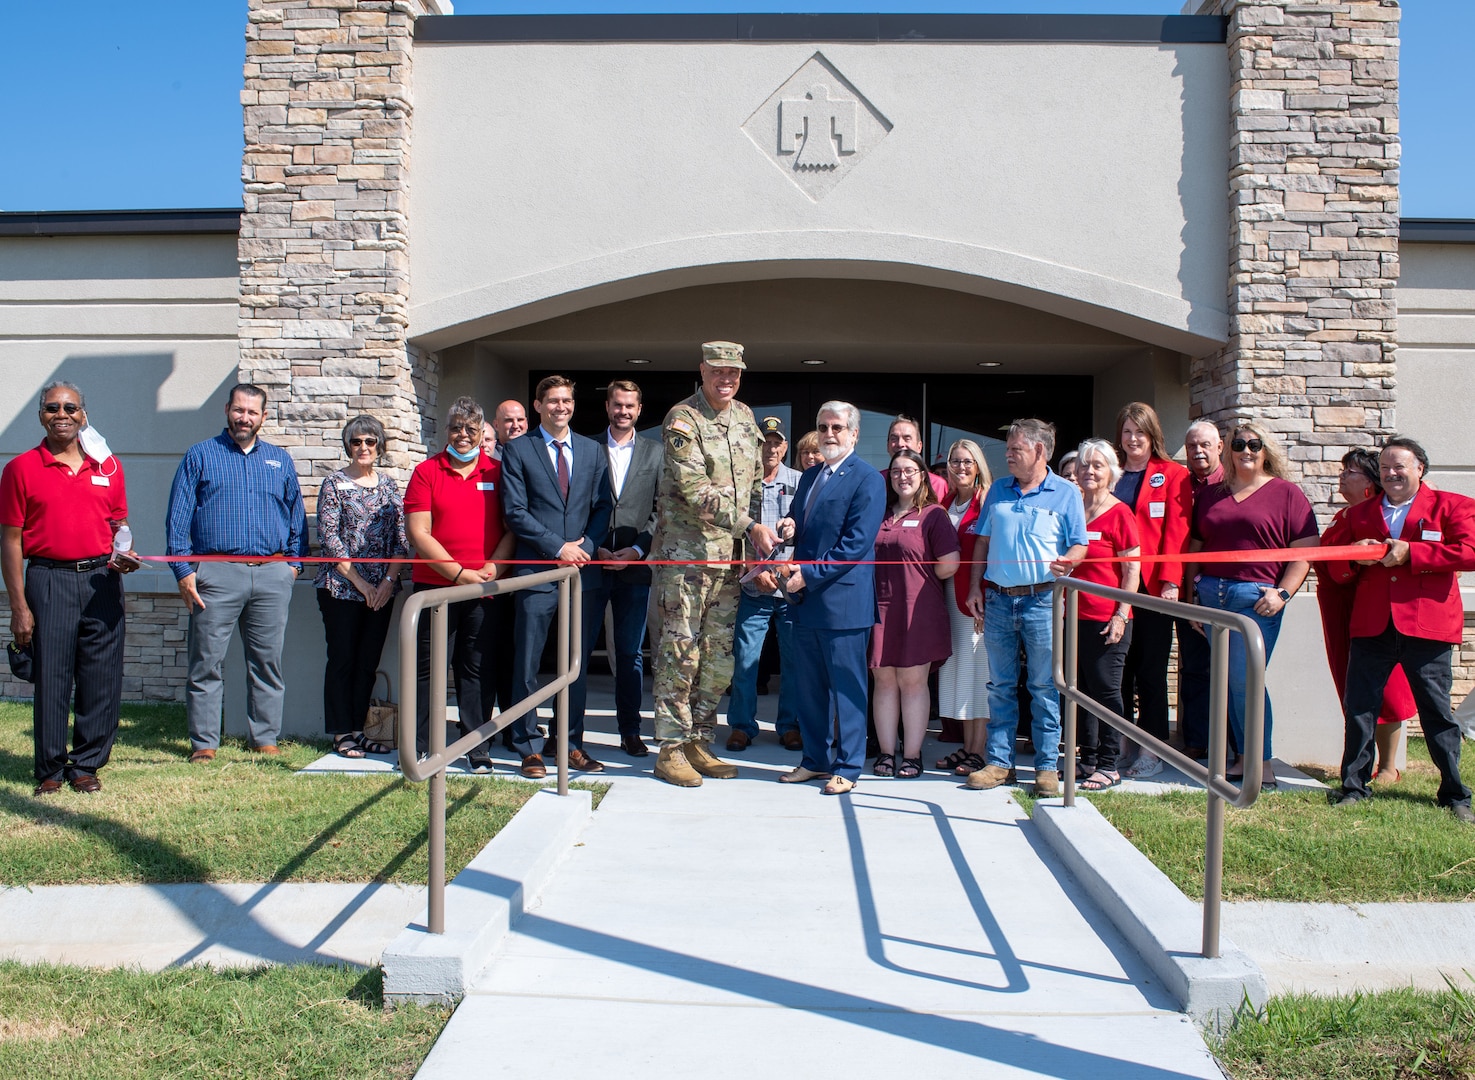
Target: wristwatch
[(1285, 597)]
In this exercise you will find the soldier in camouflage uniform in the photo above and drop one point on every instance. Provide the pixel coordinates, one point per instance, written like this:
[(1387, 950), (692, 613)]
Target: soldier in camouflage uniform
[(707, 503)]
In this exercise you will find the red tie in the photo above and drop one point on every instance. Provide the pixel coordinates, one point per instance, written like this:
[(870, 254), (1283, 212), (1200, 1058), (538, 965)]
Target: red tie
[(562, 470)]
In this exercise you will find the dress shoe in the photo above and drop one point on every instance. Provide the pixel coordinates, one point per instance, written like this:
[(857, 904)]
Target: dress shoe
[(634, 745), (839, 785), (802, 775), (269, 749), (85, 782), (1462, 813), (791, 740), (202, 757), (672, 767), (577, 759), (990, 776), (702, 760), (1347, 801), (533, 768), (738, 741), (48, 787)]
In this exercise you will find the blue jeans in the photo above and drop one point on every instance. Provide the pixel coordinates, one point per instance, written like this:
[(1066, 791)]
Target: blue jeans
[(628, 597), (1007, 621), (754, 614), (1241, 597)]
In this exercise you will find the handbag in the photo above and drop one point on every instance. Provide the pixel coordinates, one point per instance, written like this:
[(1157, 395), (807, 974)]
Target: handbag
[(381, 725)]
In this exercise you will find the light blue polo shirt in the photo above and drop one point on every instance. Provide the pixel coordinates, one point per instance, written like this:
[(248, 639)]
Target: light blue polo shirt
[(1027, 532)]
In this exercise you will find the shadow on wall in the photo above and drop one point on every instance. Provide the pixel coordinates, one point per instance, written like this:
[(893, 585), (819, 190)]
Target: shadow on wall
[(1205, 146)]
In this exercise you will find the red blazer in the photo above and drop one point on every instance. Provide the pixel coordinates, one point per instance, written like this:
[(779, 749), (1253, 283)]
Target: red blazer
[(1164, 510), (966, 539), (1423, 596)]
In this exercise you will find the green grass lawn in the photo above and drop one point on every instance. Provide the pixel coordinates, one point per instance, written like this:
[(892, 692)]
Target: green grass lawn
[(242, 818), (1295, 846), (1392, 1035), (302, 1021)]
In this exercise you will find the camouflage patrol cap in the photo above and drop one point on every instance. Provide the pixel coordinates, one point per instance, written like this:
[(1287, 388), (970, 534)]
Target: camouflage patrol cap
[(772, 425), (723, 354)]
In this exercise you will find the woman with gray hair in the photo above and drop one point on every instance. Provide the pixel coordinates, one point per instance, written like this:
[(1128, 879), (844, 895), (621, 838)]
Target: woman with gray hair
[(360, 516), (1104, 626)]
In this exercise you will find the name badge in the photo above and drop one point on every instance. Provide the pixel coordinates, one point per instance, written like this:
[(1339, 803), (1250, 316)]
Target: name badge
[(1157, 510), (1093, 534), (1428, 534), (103, 481), (910, 524), (482, 485)]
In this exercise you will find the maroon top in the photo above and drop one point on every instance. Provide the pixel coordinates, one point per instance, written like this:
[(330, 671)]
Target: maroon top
[(1273, 516), (1111, 531), (913, 626)]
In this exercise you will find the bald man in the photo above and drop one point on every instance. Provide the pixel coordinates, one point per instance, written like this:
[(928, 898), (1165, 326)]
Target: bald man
[(508, 422)]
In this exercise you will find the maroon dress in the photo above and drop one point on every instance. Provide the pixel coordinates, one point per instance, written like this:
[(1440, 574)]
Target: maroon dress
[(911, 601)]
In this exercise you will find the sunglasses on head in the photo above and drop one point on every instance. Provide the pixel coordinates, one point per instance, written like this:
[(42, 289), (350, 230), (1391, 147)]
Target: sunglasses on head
[(71, 408), (367, 440), (1254, 446)]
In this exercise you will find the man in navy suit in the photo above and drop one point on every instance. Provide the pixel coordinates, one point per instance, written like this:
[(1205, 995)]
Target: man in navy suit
[(556, 499), (833, 522)]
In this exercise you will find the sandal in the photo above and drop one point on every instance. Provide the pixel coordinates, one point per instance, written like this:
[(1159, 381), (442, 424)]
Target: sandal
[(885, 765), (370, 747), (953, 761), (1100, 781), (348, 746), (911, 768), (969, 765)]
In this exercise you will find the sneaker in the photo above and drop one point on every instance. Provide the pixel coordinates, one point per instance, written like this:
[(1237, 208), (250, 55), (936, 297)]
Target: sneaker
[(480, 761), (1147, 764)]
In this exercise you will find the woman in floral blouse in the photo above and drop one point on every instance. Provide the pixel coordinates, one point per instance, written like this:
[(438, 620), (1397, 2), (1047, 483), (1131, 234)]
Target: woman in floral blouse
[(360, 516)]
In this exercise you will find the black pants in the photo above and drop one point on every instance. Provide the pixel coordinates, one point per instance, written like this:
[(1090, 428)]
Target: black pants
[(1145, 677), (500, 682), (78, 647), (1099, 673), (470, 641), (1193, 685), (355, 637), (1427, 665)]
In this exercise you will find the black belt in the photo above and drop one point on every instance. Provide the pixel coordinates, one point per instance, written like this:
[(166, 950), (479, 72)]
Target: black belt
[(1018, 590), (81, 566)]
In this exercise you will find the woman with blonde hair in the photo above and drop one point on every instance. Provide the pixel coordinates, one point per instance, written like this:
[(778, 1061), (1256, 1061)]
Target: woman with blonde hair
[(1255, 509), (962, 683)]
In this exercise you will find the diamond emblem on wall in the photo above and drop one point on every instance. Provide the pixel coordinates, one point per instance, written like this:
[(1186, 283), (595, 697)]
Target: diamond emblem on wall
[(816, 127)]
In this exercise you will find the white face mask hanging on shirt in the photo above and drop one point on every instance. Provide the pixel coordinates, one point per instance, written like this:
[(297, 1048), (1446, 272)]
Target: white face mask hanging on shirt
[(94, 445)]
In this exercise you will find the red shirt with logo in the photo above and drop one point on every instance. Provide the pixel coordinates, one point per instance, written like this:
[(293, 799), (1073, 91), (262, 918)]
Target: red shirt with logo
[(465, 512), (1114, 530), (62, 514)]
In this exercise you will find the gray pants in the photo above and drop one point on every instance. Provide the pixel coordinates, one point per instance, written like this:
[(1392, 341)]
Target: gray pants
[(256, 599)]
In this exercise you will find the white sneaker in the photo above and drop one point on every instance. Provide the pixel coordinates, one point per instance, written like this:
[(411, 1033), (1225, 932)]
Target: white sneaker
[(1147, 764)]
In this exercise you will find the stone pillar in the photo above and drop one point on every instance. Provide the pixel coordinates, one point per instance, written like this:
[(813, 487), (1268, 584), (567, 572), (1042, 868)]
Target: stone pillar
[(1313, 218), (324, 271)]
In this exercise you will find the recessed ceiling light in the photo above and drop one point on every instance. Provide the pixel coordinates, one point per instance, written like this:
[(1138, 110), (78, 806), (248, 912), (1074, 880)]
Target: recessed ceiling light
[(989, 363), (1013, 391), (637, 360), (812, 363)]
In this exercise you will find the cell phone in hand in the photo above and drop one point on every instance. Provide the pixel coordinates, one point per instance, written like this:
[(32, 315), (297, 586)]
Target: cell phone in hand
[(124, 562)]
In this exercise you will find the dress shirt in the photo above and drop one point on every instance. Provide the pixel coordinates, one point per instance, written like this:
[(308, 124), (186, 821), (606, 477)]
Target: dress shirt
[(1028, 530), (1393, 516), (826, 473), (620, 456), (553, 451), (225, 501)]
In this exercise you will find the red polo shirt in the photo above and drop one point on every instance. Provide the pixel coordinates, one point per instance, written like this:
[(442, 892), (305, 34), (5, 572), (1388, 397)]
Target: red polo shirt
[(465, 513), (62, 514)]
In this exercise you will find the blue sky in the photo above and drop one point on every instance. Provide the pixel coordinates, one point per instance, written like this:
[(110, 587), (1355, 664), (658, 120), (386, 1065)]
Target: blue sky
[(114, 105)]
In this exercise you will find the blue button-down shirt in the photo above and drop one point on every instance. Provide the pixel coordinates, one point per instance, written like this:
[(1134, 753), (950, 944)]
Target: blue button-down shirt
[(227, 502), (1027, 531)]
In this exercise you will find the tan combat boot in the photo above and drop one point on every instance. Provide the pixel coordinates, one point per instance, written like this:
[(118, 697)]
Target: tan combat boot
[(702, 761), (990, 776), (673, 768), (1047, 784)]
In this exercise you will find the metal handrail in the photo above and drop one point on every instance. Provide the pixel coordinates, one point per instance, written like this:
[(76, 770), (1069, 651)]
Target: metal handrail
[(433, 766), (1065, 611)]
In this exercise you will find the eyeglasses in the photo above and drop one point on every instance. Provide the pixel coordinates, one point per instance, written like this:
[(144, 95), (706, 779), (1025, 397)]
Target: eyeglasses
[(961, 463), (367, 440), (831, 429), (467, 429), (1254, 446), (906, 474), (71, 408)]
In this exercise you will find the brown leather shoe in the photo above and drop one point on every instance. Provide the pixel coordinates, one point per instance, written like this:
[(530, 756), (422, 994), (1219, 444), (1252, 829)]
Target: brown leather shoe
[(269, 749), (791, 740), (85, 782), (738, 741), (577, 759), (533, 767), (202, 757), (48, 787), (634, 745)]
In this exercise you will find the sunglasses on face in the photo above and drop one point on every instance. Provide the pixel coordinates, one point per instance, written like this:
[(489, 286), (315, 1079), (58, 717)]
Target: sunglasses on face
[(466, 429), (368, 440), (71, 408), (1254, 446)]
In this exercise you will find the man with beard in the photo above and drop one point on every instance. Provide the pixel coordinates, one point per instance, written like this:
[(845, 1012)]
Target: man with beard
[(237, 495)]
